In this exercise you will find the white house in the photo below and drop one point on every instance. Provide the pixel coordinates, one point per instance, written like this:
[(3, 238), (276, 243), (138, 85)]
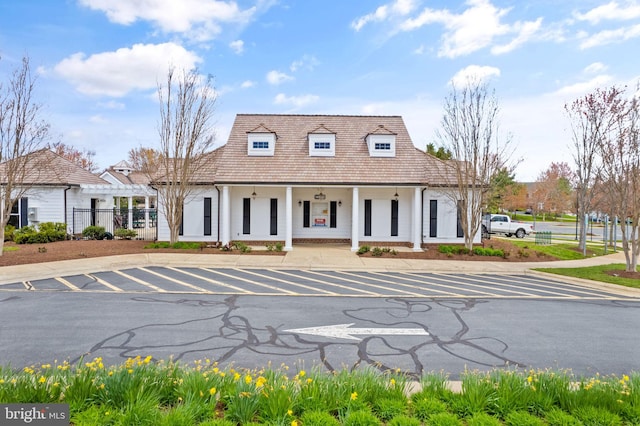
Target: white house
[(321, 178)]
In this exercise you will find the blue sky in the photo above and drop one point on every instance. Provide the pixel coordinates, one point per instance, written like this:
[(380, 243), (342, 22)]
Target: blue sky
[(99, 62)]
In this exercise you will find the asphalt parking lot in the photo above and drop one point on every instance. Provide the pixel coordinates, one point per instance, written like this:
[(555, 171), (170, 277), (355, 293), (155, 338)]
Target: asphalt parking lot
[(301, 282)]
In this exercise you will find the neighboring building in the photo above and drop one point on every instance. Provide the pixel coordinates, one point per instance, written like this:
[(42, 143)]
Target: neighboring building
[(300, 178)]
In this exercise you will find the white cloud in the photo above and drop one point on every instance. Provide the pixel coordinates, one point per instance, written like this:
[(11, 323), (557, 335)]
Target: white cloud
[(595, 68), (247, 84), (384, 12), (474, 73), (419, 50), (611, 11), (611, 36), (577, 89), (111, 105), (473, 29), (296, 101), (98, 119), (199, 19), (117, 73), (237, 46), (308, 62), (276, 77)]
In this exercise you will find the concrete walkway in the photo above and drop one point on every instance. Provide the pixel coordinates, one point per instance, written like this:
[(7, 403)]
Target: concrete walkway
[(313, 256)]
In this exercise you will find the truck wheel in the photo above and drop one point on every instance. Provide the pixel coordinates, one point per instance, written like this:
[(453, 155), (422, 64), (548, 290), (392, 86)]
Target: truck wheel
[(520, 233)]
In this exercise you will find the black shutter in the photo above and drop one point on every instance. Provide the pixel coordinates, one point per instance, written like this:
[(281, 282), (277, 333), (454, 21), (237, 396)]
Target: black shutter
[(306, 214), (394, 218), (246, 216), (181, 230), (460, 231), (367, 218), (24, 211), (433, 218), (207, 216), (333, 213), (274, 216)]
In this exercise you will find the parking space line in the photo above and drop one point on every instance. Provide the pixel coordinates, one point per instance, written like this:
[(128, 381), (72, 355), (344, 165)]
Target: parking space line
[(182, 283), (141, 282), (67, 283), (250, 281), (209, 280), (314, 289), (402, 292), (435, 276), (546, 283), (415, 287), (103, 282), (485, 287), (329, 283), (483, 282)]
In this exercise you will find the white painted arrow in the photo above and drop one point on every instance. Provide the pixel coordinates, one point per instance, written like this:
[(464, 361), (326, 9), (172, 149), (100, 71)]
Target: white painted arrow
[(342, 331)]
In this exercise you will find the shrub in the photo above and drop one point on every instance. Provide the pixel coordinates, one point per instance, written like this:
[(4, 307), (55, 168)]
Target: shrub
[(364, 249), (277, 246), (239, 245), (488, 251), (483, 419), (125, 234), (94, 232), (425, 406), (444, 419), (46, 232), (8, 232), (596, 416), (557, 417), (377, 251), (388, 408)]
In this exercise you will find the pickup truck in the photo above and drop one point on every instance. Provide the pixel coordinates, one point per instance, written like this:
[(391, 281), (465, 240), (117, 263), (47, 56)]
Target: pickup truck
[(502, 224)]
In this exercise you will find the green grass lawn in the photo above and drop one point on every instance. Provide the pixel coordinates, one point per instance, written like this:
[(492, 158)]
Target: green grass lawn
[(595, 273), (563, 251)]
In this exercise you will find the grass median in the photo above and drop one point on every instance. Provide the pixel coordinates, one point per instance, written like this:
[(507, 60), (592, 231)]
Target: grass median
[(143, 391)]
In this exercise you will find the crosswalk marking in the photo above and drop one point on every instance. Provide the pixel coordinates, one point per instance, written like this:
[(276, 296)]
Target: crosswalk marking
[(209, 280), (332, 284), (314, 289), (182, 283), (251, 281)]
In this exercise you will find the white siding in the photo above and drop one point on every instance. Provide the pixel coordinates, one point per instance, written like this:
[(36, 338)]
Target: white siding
[(447, 220), (381, 214), (193, 224), (343, 213)]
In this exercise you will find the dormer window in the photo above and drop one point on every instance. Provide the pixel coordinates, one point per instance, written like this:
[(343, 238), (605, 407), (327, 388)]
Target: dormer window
[(261, 144), (382, 145), (322, 143)]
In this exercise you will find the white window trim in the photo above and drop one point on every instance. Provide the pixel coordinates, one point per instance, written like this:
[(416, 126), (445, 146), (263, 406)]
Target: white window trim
[(323, 138), (269, 138), (381, 145)]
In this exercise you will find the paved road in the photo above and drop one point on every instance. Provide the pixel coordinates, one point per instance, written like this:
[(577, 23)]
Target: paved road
[(411, 333), (245, 281)]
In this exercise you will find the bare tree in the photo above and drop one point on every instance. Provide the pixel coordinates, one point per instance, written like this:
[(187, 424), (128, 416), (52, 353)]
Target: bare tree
[(83, 158), (592, 118), (143, 159), (186, 132), (620, 173), (22, 132), (553, 191), (469, 130)]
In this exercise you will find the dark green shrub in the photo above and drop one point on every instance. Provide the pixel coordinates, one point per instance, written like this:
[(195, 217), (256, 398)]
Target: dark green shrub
[(277, 246), (445, 249), (94, 232), (46, 232), (125, 234), (377, 251)]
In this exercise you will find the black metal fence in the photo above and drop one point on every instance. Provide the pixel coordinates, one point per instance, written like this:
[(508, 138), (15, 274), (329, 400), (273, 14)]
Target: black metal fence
[(143, 221)]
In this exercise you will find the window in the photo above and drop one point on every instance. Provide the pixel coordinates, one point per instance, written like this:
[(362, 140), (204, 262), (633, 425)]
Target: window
[(382, 146), (207, 216), (322, 144), (261, 144)]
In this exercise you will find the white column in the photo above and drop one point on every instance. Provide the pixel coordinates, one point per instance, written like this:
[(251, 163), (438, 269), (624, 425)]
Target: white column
[(225, 225), (130, 215), (355, 214), (146, 211), (417, 219), (288, 237)]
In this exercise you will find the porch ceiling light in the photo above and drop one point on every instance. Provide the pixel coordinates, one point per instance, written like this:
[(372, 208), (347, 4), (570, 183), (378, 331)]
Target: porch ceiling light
[(320, 196), (396, 196), (253, 194)]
